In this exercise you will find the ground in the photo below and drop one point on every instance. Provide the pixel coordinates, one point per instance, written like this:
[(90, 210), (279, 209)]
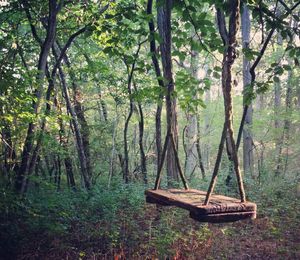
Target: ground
[(120, 225), (262, 238)]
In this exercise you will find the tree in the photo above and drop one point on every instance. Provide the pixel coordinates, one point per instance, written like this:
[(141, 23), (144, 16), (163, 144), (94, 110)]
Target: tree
[(164, 11), (54, 8), (247, 132)]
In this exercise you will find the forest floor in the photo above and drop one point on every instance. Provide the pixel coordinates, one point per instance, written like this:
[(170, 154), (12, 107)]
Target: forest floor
[(262, 238), (103, 227)]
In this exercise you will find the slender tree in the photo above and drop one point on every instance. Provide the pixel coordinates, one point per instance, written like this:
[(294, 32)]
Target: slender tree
[(158, 74), (164, 10), (247, 132), (54, 8)]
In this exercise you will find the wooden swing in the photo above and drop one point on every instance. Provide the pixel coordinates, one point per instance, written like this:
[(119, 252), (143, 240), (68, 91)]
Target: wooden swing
[(206, 206), (203, 206)]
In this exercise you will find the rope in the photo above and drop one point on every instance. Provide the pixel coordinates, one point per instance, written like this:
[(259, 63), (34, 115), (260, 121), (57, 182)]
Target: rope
[(163, 156), (217, 166), (181, 174)]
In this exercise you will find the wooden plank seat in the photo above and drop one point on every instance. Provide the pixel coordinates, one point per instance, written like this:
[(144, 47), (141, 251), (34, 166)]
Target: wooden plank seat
[(220, 208)]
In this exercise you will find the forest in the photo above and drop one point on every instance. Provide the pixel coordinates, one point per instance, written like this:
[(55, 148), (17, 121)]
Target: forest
[(107, 105)]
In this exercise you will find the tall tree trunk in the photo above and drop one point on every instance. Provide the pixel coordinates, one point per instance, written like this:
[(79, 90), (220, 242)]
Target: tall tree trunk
[(298, 93), (247, 133), (64, 143), (191, 132), (130, 71), (78, 136), (158, 74), (287, 120), (164, 26), (141, 138), (79, 110), (229, 40), (36, 149), (206, 133), (50, 89), (102, 108), (277, 110), (45, 48), (288, 110), (199, 152), (113, 149), (126, 153), (9, 151)]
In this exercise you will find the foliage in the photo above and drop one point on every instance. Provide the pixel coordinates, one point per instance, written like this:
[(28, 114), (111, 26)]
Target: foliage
[(110, 66)]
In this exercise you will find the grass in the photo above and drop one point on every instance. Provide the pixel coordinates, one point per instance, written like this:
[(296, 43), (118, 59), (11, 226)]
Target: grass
[(116, 222)]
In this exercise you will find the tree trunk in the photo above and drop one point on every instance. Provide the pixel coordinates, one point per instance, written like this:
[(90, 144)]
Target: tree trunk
[(36, 149), (28, 144), (126, 152), (206, 133), (164, 25), (199, 152), (287, 120), (113, 149), (102, 108), (277, 111), (64, 143), (79, 110), (78, 136), (130, 71), (247, 133), (288, 110), (191, 132), (158, 74), (229, 40), (141, 138), (9, 151)]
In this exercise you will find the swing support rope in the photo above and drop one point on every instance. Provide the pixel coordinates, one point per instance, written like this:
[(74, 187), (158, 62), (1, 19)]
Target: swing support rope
[(169, 136), (160, 167), (229, 55)]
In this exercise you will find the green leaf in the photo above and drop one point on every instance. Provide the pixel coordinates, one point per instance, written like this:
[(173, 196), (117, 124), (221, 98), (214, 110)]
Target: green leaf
[(276, 79), (217, 68), (191, 8), (216, 75), (268, 70), (287, 67)]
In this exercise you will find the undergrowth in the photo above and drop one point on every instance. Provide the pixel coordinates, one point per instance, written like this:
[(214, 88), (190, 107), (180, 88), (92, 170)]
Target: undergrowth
[(115, 222)]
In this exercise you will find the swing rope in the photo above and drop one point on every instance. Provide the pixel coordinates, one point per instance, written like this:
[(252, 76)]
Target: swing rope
[(159, 170), (213, 181)]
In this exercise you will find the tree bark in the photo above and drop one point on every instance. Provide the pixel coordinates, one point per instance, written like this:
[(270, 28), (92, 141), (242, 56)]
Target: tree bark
[(229, 40), (206, 133), (158, 74), (141, 139), (51, 78), (78, 136), (191, 132), (130, 71), (45, 49), (287, 120), (288, 110), (164, 25), (9, 151), (247, 133), (113, 149), (79, 110), (277, 110), (199, 152), (64, 143)]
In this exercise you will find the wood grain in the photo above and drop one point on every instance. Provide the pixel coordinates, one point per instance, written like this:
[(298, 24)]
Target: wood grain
[(220, 208)]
